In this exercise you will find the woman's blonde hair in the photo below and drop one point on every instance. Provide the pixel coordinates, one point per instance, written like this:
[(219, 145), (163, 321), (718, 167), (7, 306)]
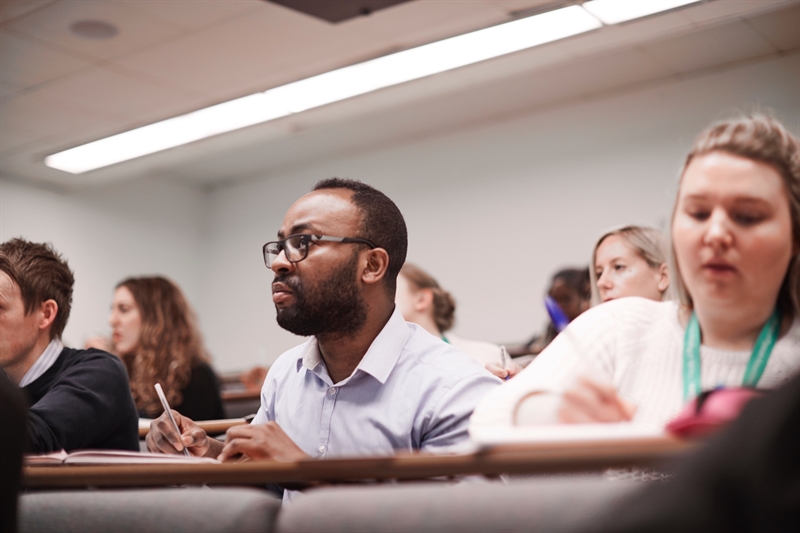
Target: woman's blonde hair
[(764, 139), (648, 243), (170, 344), (444, 305)]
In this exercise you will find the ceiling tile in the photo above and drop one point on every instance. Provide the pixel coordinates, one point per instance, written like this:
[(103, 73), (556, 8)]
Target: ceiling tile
[(417, 23), (136, 31), (13, 137), (7, 89), (46, 117), (196, 14), (259, 52), (716, 10), (112, 93), (781, 28), (27, 63), (10, 9), (713, 46)]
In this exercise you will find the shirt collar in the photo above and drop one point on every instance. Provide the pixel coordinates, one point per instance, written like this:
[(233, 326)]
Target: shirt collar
[(381, 357), (43, 363)]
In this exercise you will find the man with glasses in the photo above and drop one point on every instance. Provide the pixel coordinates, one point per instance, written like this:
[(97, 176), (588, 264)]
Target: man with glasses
[(367, 382)]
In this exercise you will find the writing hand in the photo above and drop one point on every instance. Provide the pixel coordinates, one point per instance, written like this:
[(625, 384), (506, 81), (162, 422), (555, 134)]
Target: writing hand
[(504, 372), (261, 441), (589, 401), (163, 438)]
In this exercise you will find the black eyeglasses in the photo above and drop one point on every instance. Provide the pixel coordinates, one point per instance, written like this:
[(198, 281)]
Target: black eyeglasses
[(296, 246)]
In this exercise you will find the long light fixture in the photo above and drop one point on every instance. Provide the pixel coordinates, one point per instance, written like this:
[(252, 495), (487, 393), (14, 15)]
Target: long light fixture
[(616, 11), (341, 84)]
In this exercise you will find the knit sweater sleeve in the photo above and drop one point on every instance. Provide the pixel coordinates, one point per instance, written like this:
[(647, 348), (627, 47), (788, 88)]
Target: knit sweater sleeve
[(586, 347), (88, 402)]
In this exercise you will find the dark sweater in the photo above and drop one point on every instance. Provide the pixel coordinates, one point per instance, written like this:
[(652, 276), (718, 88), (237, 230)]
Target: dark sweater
[(201, 398), (82, 401)]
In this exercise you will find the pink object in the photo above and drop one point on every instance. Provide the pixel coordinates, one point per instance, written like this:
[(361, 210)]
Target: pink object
[(710, 411)]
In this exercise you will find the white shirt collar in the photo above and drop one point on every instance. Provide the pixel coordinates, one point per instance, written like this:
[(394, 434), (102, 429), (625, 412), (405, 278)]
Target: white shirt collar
[(381, 356), (43, 363)]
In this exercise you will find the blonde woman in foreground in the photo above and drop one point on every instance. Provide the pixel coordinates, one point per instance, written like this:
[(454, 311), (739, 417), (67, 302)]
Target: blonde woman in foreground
[(736, 243)]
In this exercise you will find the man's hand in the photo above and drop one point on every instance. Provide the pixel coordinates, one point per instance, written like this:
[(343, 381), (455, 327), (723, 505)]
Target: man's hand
[(590, 402), (163, 438), (261, 441), (507, 372)]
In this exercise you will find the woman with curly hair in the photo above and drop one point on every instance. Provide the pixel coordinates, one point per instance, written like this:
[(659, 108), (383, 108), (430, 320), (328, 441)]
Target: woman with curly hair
[(156, 336)]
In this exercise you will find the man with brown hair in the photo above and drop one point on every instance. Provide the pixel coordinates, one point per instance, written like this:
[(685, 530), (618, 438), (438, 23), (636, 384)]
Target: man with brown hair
[(76, 398)]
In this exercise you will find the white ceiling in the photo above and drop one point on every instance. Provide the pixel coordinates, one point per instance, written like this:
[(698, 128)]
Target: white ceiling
[(59, 90)]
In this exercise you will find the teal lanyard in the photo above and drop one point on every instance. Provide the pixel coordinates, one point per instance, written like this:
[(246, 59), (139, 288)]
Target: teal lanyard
[(755, 367)]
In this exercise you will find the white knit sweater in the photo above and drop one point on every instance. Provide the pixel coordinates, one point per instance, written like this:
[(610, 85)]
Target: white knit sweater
[(637, 345)]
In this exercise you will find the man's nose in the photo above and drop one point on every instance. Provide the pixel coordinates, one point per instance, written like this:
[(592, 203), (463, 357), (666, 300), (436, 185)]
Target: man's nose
[(281, 263)]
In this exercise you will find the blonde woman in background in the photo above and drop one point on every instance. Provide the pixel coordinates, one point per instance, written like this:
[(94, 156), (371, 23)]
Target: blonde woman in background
[(736, 245), (422, 301), (630, 261)]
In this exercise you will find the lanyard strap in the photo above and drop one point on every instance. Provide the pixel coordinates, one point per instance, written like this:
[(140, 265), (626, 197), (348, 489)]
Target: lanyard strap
[(755, 367)]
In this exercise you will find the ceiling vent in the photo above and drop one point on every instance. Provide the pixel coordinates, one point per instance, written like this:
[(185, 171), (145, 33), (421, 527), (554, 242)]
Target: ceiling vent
[(337, 10)]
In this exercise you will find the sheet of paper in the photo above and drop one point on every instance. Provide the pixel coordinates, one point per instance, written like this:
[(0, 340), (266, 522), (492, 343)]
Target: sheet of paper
[(567, 433)]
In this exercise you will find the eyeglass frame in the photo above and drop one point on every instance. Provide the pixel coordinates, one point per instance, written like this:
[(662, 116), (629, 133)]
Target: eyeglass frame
[(311, 237)]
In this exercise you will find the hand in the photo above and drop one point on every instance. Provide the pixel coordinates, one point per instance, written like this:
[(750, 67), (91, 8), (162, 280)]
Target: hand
[(261, 441), (507, 372), (590, 401), (162, 437), (99, 343)]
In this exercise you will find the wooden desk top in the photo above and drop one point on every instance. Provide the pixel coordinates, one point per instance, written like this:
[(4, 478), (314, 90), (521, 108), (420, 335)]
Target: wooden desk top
[(516, 459), (212, 427)]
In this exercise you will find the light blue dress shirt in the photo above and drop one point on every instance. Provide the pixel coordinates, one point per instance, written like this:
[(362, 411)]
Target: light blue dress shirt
[(411, 391)]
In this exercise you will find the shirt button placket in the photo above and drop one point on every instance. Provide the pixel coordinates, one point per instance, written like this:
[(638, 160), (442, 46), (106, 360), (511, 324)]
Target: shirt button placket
[(328, 403)]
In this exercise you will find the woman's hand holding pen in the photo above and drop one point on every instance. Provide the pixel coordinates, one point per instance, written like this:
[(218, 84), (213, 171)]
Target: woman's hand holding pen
[(504, 372), (590, 401), (163, 438)]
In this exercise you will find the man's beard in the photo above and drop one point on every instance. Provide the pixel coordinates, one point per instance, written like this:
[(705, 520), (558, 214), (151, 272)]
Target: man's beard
[(332, 306)]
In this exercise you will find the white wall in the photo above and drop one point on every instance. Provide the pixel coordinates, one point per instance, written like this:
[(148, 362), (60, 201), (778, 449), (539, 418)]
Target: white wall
[(107, 234), (492, 211)]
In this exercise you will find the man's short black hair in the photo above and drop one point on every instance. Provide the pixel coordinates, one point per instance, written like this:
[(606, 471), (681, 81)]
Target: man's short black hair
[(381, 222)]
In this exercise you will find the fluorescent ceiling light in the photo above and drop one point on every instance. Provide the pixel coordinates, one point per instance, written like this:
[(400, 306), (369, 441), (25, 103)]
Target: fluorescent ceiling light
[(615, 11), (328, 87)]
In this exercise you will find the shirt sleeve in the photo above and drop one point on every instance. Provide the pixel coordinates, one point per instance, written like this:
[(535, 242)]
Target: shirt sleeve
[(447, 427), (585, 347), (87, 404), (266, 411)]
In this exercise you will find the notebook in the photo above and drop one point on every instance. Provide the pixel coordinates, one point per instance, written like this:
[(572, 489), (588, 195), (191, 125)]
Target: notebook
[(112, 457)]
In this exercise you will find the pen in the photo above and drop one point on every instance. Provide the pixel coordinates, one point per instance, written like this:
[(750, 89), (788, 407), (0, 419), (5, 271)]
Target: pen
[(504, 360), (167, 410)]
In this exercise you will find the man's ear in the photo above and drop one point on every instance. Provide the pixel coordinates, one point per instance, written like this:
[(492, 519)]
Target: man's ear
[(376, 266), (48, 311)]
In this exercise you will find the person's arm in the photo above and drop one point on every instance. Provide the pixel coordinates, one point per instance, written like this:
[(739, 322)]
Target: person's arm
[(261, 441), (88, 403), (447, 423), (585, 348)]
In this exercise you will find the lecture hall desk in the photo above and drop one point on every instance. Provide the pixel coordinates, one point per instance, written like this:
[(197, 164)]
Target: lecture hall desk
[(512, 459)]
